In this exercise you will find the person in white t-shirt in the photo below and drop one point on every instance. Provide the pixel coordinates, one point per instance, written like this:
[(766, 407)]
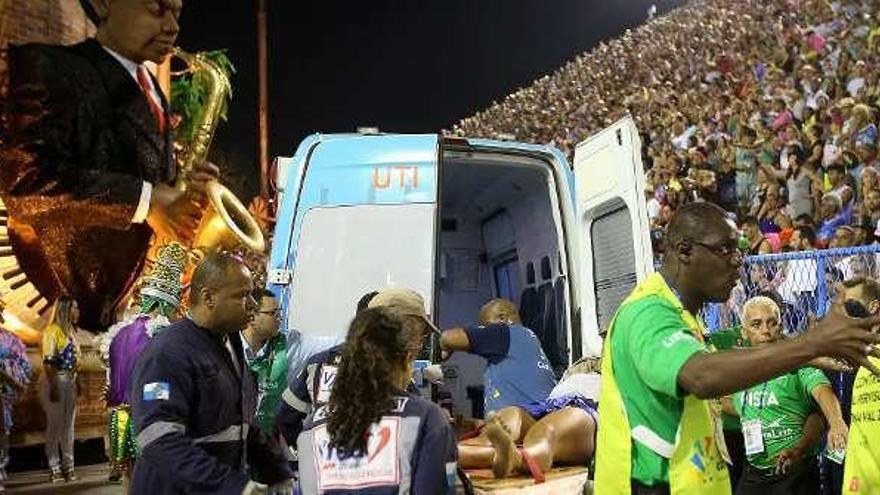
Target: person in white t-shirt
[(799, 280), (654, 206)]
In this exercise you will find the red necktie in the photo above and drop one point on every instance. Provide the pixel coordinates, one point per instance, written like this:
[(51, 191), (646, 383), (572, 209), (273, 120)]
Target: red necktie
[(144, 82)]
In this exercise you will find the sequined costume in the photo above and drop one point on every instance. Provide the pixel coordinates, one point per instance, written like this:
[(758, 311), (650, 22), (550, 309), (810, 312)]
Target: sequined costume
[(270, 368), (124, 342), (127, 340), (13, 362), (79, 144)]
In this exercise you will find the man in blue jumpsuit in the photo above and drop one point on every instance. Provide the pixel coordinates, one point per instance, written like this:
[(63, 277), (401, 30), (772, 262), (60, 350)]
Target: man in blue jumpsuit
[(193, 398)]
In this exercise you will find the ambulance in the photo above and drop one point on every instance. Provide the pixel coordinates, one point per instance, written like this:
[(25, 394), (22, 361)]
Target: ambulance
[(462, 221)]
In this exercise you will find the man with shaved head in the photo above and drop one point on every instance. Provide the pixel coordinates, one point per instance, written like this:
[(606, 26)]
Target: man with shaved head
[(499, 310), (517, 371), (194, 399)]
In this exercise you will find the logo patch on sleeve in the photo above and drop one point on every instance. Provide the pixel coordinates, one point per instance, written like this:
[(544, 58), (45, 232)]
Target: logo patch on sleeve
[(157, 391)]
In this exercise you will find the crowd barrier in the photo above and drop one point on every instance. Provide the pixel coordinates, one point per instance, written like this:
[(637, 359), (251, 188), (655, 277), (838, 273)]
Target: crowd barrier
[(803, 282)]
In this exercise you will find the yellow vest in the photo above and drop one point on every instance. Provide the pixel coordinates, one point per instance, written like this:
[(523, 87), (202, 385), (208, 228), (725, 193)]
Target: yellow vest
[(696, 465), (861, 473)]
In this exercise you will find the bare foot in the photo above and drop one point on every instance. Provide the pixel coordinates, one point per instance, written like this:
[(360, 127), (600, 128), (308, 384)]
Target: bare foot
[(507, 457)]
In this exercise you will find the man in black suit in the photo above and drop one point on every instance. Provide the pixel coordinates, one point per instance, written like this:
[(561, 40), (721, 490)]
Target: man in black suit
[(87, 163)]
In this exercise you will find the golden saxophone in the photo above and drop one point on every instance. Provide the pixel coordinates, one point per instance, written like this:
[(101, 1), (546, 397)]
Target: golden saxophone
[(226, 222)]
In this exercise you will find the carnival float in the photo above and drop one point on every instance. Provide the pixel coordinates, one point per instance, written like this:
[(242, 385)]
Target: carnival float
[(199, 92)]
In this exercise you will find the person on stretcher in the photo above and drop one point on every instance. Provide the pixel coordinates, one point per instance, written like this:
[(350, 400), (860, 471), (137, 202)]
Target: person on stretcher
[(532, 439)]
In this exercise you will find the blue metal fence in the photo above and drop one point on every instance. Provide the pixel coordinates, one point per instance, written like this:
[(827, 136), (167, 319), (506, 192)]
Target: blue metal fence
[(804, 283)]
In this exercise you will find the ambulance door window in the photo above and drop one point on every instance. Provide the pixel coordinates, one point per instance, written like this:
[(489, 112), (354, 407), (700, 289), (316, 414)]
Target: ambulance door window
[(507, 279), (345, 252), (613, 261)]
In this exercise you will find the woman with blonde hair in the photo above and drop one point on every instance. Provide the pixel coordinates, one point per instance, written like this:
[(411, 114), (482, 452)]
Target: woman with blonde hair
[(862, 126), (58, 388)]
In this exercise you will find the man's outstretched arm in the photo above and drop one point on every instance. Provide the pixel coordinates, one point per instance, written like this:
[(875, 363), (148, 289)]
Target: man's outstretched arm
[(710, 375)]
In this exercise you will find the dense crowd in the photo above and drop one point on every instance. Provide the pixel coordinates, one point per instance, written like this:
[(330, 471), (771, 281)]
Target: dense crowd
[(767, 108)]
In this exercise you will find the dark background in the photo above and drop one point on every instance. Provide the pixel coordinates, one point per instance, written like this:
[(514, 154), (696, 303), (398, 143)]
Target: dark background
[(401, 66)]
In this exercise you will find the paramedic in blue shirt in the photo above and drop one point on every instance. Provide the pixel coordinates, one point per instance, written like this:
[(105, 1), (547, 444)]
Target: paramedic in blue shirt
[(517, 371)]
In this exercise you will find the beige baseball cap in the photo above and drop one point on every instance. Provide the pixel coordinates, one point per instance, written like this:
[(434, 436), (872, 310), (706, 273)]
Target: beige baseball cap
[(406, 301)]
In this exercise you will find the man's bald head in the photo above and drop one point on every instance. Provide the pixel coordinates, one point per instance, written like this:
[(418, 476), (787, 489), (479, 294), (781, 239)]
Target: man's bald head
[(696, 221), (499, 311)]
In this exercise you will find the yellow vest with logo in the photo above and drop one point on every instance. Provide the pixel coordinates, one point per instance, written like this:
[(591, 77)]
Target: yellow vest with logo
[(696, 465), (861, 474)]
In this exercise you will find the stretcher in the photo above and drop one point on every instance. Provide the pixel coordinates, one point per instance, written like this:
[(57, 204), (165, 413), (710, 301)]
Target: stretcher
[(571, 480)]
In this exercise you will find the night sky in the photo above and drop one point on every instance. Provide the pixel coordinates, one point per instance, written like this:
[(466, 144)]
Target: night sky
[(401, 66)]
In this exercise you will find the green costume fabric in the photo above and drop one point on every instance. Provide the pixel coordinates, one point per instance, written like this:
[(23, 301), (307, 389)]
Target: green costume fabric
[(270, 368)]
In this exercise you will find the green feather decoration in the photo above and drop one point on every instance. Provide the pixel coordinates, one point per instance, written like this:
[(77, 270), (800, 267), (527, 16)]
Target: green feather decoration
[(189, 91)]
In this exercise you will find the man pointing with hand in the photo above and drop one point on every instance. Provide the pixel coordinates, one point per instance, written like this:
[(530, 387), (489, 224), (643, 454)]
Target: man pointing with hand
[(659, 434)]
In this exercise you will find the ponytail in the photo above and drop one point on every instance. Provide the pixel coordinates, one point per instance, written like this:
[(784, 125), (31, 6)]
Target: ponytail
[(379, 343)]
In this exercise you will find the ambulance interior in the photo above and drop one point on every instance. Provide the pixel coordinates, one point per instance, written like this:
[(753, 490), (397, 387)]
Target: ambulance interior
[(499, 237)]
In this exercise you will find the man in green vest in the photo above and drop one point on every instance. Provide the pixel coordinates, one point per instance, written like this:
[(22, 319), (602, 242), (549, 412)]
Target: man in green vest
[(658, 434)]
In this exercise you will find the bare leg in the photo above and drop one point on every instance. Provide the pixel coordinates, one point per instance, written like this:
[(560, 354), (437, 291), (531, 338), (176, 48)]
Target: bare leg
[(478, 453), (564, 436), (515, 421), (507, 458), (472, 455)]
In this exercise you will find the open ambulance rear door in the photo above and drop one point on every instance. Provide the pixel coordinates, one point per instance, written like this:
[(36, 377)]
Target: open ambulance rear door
[(612, 219)]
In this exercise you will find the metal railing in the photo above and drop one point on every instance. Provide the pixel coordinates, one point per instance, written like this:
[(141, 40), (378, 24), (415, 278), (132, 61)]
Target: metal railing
[(803, 282)]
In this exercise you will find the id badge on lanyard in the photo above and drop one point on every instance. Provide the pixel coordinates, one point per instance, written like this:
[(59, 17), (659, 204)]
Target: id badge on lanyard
[(753, 434)]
